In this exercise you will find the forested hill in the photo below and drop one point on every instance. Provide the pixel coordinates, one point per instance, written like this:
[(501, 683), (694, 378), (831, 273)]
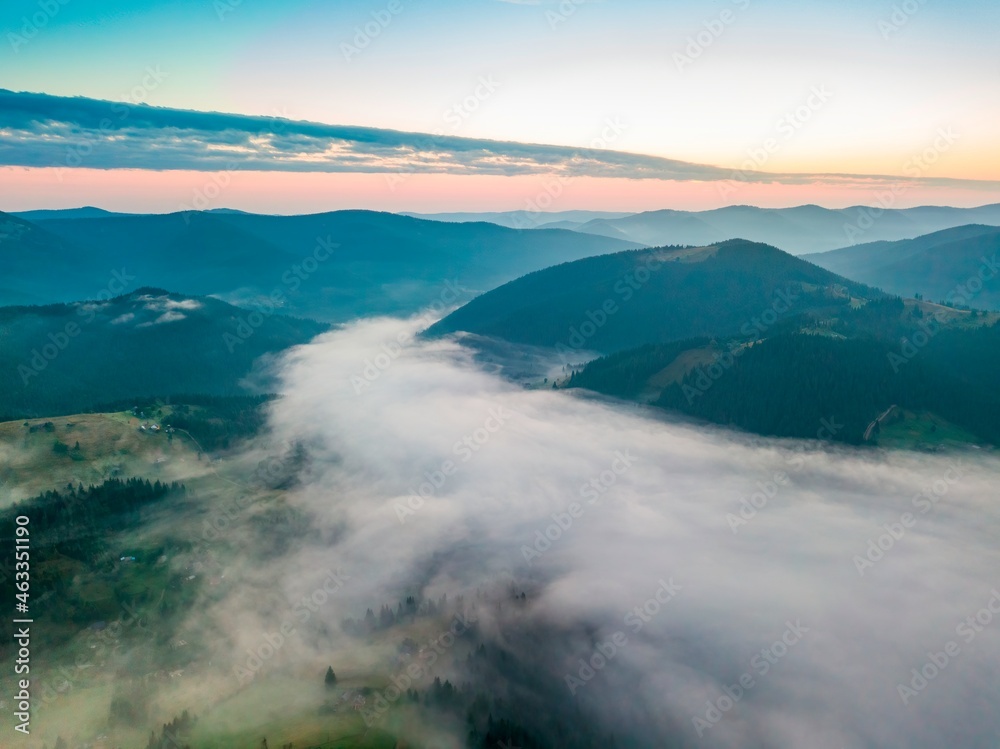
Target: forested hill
[(823, 384), (67, 358), (616, 302), (330, 266), (958, 266)]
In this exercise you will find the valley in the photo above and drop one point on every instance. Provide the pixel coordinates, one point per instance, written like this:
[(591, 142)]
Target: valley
[(509, 374)]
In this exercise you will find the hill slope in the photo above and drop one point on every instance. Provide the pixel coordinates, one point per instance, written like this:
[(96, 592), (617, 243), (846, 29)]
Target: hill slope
[(958, 266), (846, 371), (798, 230), (794, 385), (66, 358), (29, 259), (333, 266), (620, 301)]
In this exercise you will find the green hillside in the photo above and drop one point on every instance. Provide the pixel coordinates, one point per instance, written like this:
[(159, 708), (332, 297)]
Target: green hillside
[(616, 302), (329, 266), (958, 266), (845, 372), (67, 358)]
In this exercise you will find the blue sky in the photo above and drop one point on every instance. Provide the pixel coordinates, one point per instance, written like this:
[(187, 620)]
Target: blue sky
[(708, 82)]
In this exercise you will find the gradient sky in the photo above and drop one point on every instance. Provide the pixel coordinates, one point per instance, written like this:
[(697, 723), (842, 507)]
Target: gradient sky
[(560, 73)]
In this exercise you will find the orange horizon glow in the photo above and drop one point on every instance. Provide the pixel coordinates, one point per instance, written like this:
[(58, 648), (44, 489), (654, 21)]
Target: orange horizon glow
[(145, 191)]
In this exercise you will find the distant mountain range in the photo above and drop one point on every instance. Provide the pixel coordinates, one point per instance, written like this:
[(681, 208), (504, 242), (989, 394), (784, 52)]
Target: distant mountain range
[(959, 266), (36, 266), (56, 213), (333, 266), (619, 301), (800, 230), (525, 219), (745, 335), (67, 358), (735, 332)]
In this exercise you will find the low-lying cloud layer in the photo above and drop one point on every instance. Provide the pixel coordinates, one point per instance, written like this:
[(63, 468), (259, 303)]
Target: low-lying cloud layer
[(39, 130), (689, 586)]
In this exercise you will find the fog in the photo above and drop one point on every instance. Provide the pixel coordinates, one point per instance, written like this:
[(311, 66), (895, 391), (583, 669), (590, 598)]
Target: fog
[(785, 590)]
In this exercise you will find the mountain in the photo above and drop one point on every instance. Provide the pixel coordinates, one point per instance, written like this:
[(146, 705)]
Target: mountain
[(959, 266), (799, 230), (57, 213), (619, 301), (854, 389), (796, 385), (888, 369), (29, 257), (67, 358), (523, 219), (92, 258), (331, 266)]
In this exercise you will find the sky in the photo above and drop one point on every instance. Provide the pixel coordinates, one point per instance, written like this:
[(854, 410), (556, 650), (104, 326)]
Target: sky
[(773, 96)]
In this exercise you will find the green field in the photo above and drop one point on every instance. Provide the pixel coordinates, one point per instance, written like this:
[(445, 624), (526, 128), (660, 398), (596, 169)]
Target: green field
[(923, 431), (96, 447), (121, 644)]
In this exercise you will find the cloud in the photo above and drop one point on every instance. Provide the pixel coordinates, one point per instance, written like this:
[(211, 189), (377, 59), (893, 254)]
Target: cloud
[(38, 130), (828, 588), (165, 303), (720, 564), (170, 316)]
